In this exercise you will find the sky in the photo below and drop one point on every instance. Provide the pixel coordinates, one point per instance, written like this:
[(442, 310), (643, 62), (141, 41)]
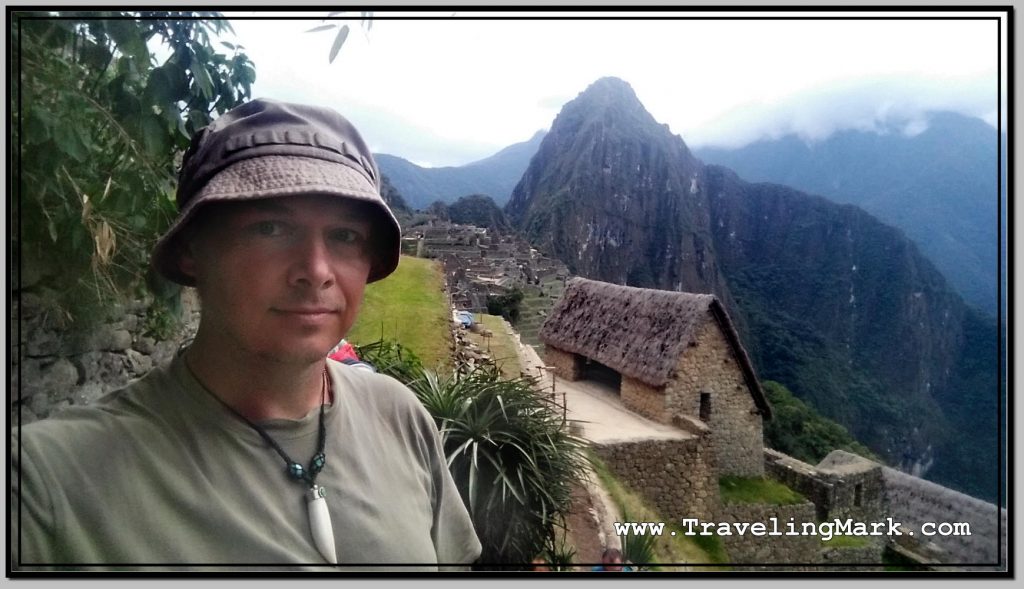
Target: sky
[(457, 89)]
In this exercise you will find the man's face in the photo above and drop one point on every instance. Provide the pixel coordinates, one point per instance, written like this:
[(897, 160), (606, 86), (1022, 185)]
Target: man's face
[(280, 278)]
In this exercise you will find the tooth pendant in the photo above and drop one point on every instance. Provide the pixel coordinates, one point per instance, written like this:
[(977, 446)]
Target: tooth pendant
[(320, 524)]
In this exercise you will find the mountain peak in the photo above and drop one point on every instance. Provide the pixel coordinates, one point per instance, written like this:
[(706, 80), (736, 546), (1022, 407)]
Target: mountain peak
[(606, 92)]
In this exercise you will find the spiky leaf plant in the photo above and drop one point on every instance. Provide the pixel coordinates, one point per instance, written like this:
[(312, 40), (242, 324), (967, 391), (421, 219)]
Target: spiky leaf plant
[(511, 455)]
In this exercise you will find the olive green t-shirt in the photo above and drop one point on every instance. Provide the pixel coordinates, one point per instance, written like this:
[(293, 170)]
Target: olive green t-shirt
[(161, 474)]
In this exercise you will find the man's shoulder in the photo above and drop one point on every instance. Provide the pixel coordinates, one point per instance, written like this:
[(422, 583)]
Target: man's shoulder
[(379, 393), (109, 417), (370, 386)]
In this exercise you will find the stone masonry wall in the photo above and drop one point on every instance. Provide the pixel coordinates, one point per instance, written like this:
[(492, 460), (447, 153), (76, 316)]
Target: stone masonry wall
[(643, 399), (565, 364), (676, 476), (802, 478), (53, 367), (856, 494), (710, 366), (869, 553), (751, 549), (915, 501)]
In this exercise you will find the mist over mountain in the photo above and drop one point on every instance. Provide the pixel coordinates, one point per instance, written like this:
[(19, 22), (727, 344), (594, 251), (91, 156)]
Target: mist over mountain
[(494, 176), (838, 306), (939, 185)]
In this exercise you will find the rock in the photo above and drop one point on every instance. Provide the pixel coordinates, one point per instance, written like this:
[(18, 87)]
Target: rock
[(44, 342), (117, 340), (58, 376), (87, 393), (89, 364), (145, 345), (138, 364), (39, 405), (130, 322)]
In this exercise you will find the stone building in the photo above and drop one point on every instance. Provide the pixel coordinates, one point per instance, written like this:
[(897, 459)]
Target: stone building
[(667, 353)]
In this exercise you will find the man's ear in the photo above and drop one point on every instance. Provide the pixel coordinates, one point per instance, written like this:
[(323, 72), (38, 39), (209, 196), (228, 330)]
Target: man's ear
[(187, 257)]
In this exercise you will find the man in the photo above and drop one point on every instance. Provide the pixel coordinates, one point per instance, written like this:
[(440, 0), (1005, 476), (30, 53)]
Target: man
[(250, 447)]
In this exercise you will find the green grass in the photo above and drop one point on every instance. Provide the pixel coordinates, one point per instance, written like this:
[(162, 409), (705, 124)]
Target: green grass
[(846, 542), (757, 490), (500, 345), (409, 307), (668, 549)]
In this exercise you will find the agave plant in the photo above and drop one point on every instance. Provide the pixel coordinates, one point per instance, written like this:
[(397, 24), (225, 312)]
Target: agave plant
[(509, 451), (512, 459)]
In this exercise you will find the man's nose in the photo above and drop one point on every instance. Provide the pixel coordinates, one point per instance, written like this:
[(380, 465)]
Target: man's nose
[(311, 264)]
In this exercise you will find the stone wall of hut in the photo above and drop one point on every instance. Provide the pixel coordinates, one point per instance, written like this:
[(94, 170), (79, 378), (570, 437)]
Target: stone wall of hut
[(709, 366), (565, 364), (641, 398)]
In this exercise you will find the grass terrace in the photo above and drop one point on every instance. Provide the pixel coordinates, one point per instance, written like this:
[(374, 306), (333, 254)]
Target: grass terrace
[(757, 490), (410, 307)]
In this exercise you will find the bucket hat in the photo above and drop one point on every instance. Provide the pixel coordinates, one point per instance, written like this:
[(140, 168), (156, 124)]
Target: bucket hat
[(267, 149)]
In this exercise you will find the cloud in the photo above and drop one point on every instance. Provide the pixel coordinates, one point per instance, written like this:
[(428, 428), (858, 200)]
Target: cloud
[(881, 104)]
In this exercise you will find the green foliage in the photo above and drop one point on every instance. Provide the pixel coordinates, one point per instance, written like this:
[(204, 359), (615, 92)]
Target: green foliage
[(100, 123), (512, 459), (637, 550), (713, 547), (479, 210), (757, 490), (507, 305), (799, 431), (559, 555), (391, 358), (366, 18)]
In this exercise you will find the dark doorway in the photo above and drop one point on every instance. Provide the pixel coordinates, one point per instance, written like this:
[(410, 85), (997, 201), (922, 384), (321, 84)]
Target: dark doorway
[(597, 372)]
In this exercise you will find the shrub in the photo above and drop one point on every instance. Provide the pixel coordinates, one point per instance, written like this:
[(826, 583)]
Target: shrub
[(512, 459)]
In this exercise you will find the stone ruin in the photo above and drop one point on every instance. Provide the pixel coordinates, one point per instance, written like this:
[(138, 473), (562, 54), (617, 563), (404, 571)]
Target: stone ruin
[(480, 262)]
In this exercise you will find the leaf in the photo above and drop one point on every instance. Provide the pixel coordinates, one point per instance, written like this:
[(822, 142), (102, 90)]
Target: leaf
[(321, 28), (105, 243), (202, 77), (338, 42), (230, 46), (154, 136)]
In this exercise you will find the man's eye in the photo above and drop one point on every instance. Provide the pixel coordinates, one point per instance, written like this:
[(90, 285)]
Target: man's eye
[(345, 236), (268, 228)]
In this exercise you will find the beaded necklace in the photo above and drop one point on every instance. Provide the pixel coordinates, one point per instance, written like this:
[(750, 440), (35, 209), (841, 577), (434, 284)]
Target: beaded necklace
[(319, 516)]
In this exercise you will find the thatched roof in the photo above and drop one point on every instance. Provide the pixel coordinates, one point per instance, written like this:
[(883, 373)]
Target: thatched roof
[(639, 332)]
